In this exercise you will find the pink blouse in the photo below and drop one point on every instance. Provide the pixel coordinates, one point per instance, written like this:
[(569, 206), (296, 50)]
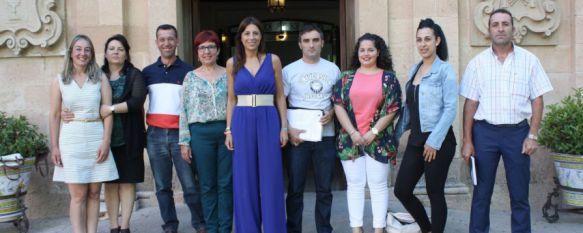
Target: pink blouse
[(366, 95)]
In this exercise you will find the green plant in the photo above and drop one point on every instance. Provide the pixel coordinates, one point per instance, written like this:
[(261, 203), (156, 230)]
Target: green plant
[(17, 135), (562, 128)]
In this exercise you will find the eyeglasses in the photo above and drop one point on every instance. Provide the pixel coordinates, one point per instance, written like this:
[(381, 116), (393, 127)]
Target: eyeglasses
[(208, 47)]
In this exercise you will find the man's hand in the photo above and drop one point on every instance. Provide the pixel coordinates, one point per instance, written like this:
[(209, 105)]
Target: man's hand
[(467, 151), (186, 153), (429, 153), (294, 136), (327, 117), (529, 146), (67, 116)]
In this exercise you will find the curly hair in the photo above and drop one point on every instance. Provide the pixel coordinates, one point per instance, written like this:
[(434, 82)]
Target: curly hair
[(384, 61)]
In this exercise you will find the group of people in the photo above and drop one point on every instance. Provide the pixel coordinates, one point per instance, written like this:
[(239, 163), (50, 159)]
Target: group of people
[(224, 129)]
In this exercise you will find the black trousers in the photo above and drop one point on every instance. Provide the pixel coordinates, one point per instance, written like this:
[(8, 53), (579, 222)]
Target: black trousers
[(412, 168)]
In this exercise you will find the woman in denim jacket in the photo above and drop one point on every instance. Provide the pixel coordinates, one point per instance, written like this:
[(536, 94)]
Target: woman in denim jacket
[(431, 104)]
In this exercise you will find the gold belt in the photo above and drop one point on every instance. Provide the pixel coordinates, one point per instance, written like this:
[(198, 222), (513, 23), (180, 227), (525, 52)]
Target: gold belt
[(85, 120), (254, 100)]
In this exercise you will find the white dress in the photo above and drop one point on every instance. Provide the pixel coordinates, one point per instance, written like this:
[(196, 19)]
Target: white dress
[(79, 140)]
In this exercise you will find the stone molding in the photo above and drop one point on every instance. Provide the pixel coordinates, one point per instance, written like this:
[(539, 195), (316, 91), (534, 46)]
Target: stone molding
[(29, 23), (535, 20)]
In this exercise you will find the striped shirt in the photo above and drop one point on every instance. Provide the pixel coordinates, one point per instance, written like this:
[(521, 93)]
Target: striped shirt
[(506, 89), (165, 92)]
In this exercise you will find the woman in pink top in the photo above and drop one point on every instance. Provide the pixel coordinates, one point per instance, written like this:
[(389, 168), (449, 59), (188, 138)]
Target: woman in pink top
[(366, 100)]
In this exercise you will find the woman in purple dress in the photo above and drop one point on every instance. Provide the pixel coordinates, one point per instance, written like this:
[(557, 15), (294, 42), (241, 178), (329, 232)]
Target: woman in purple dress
[(258, 132)]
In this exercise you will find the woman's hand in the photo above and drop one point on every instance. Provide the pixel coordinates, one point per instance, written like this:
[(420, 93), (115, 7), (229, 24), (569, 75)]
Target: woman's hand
[(429, 153), (357, 139), (283, 137), (105, 111), (67, 116), (368, 138), (56, 157), (229, 141), (102, 152), (186, 153)]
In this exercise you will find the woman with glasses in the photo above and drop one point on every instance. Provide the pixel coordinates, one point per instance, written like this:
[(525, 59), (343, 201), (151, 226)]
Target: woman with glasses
[(201, 135)]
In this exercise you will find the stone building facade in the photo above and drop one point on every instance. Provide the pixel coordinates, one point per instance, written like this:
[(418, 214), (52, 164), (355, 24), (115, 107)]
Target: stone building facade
[(34, 35)]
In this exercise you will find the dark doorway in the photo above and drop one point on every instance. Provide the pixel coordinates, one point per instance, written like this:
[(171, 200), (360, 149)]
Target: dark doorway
[(280, 33)]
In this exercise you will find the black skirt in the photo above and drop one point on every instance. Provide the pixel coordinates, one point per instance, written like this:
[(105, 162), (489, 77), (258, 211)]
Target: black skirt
[(129, 168)]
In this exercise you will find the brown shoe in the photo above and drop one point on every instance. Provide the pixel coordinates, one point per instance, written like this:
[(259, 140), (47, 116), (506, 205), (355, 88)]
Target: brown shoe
[(201, 230)]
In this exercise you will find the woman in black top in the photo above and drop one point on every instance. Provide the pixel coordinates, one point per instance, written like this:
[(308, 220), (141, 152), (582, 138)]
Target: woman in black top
[(128, 137), (431, 103)]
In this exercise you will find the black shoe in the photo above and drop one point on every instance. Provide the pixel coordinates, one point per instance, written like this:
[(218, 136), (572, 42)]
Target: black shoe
[(124, 230), (115, 230)]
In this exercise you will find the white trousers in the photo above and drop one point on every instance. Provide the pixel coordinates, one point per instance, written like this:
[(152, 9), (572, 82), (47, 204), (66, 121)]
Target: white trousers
[(358, 173)]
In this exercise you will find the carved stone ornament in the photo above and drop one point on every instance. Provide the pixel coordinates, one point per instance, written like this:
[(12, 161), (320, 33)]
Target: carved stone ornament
[(542, 17), (29, 22)]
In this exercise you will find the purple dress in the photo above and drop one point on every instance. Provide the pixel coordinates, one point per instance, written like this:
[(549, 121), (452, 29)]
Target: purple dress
[(257, 166)]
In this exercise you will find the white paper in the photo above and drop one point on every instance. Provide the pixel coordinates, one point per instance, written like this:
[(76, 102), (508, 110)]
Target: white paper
[(308, 120), (473, 170)]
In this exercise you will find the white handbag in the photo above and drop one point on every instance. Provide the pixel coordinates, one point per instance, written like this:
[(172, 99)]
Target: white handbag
[(401, 223)]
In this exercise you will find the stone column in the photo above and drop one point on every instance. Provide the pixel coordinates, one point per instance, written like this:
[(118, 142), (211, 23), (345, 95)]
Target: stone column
[(578, 54)]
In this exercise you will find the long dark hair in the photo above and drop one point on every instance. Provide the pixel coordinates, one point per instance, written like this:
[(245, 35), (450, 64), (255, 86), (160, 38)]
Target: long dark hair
[(441, 49), (240, 58), (384, 61), (127, 64)]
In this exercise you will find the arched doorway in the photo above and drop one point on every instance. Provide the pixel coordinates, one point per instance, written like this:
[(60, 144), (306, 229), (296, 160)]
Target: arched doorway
[(280, 31)]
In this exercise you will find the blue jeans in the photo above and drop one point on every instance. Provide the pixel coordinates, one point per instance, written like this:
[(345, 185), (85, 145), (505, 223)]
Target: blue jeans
[(491, 142), (164, 151), (322, 156)]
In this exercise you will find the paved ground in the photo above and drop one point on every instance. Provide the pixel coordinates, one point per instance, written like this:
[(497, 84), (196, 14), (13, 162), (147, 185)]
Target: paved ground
[(147, 220)]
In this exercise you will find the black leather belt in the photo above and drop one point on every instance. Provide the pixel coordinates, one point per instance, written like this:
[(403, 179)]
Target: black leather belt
[(517, 125)]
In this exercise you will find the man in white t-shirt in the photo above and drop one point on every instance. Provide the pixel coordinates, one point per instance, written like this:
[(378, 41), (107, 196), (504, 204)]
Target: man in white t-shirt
[(308, 84)]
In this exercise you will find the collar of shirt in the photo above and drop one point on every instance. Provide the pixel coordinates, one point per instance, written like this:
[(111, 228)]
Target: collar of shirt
[(434, 68), (177, 63)]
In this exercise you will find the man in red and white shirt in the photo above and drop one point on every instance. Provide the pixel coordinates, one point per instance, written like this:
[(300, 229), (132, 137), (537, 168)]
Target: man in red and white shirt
[(503, 87)]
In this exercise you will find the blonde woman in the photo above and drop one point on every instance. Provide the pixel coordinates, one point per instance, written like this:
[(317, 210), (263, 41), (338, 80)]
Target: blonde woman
[(80, 148)]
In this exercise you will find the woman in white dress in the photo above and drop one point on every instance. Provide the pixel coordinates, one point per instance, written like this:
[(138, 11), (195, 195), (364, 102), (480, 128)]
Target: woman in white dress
[(80, 148)]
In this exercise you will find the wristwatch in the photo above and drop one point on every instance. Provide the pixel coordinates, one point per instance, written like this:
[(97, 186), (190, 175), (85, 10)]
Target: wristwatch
[(112, 108), (532, 136), (374, 131)]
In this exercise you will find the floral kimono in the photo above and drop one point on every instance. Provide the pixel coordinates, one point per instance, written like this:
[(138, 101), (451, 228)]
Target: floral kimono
[(384, 147)]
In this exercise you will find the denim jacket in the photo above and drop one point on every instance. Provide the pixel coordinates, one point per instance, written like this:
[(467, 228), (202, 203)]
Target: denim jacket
[(438, 101)]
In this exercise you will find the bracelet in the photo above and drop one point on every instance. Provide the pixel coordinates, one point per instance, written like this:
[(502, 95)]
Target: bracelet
[(352, 132), (227, 132), (284, 129), (228, 128)]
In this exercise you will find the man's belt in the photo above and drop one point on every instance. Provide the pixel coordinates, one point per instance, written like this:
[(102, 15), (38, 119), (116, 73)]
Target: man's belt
[(254, 100), (517, 125)]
